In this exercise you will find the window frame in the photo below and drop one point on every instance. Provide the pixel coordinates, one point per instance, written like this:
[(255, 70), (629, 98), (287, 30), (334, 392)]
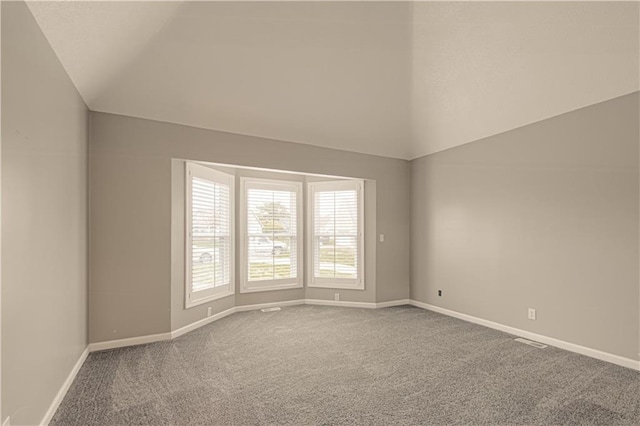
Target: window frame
[(246, 286), (209, 174), (338, 283)]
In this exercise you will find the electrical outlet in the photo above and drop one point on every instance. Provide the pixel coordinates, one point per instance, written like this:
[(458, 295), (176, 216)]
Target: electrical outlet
[(531, 314), (439, 292), (336, 297), (382, 238), (209, 311)]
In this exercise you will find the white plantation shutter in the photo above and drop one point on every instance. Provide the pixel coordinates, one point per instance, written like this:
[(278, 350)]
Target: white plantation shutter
[(209, 260), (336, 225), (270, 234)]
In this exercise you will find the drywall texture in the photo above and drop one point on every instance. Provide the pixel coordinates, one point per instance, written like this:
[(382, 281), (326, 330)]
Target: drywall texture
[(538, 58), (332, 74), (131, 217), (347, 75), (544, 217), (44, 220)]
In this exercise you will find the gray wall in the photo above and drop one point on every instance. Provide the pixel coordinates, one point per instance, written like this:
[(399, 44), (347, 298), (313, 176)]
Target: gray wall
[(132, 265), (544, 216), (44, 220)]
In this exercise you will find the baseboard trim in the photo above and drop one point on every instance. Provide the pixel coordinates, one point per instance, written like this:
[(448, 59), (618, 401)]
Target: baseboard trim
[(572, 347), (200, 323), (131, 341), (244, 308), (392, 303), (341, 303), (366, 305), (64, 388)]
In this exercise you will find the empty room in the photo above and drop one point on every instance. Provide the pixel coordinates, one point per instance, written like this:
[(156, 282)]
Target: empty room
[(320, 213)]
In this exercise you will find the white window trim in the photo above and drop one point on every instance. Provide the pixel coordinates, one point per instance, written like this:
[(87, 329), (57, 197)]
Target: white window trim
[(341, 283), (193, 169), (247, 286)]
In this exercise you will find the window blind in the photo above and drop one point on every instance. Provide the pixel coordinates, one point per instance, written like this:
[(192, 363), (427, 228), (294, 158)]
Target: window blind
[(211, 245), (210, 237), (335, 234), (272, 234)]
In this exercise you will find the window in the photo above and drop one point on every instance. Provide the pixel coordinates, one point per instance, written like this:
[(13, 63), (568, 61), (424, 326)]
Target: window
[(270, 234), (336, 224), (210, 237)]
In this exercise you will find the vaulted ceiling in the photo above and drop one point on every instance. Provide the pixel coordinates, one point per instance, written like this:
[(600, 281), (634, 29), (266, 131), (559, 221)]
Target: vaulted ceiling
[(397, 79)]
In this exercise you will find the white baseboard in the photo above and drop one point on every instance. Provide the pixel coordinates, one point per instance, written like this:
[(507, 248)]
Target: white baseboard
[(64, 388), (195, 325), (594, 353), (572, 347), (200, 323), (391, 303), (342, 303), (131, 341), (112, 344), (366, 305), (244, 308)]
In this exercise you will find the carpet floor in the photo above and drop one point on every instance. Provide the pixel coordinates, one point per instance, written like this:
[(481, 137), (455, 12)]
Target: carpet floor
[(319, 365)]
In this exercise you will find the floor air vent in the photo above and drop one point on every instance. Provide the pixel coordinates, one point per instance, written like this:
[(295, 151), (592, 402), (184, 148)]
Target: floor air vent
[(277, 308), (530, 343)]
